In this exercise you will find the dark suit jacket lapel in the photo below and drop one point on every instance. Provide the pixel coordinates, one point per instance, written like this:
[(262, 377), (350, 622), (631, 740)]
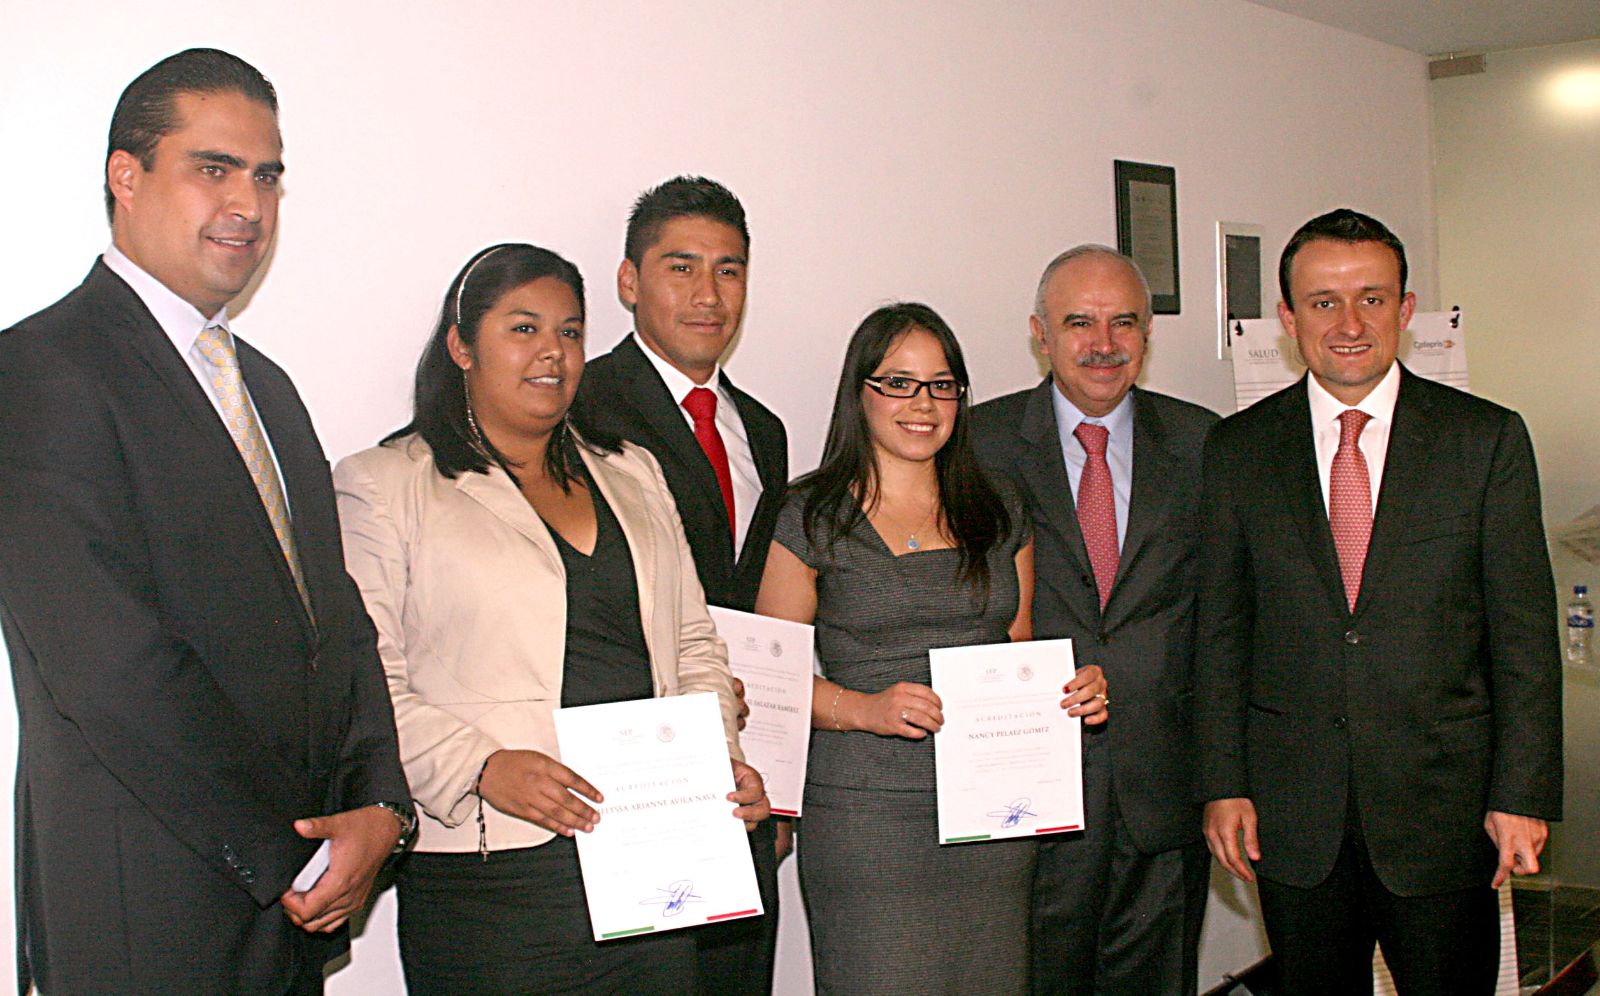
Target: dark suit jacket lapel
[(1296, 448), (278, 416), (139, 331), (1407, 473), (1153, 466), (654, 407), (763, 444), (1045, 471), (134, 327)]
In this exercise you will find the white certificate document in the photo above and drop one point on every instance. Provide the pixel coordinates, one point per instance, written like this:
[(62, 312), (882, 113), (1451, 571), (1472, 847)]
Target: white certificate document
[(1009, 760), (667, 852), (774, 658)]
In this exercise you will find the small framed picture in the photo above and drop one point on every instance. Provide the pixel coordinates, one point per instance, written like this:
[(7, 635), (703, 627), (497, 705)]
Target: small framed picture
[(1239, 279), (1147, 227)]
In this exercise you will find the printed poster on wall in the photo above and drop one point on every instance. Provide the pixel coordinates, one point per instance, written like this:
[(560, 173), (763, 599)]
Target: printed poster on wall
[(1265, 359)]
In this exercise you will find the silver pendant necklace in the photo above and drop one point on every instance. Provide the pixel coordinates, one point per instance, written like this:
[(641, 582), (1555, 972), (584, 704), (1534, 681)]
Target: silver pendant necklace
[(912, 543)]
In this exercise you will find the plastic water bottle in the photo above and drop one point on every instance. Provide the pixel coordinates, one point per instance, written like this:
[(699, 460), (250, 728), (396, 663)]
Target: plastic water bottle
[(1580, 623)]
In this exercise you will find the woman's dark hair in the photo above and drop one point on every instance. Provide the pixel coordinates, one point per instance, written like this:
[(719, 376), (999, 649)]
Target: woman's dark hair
[(439, 401), (847, 480)]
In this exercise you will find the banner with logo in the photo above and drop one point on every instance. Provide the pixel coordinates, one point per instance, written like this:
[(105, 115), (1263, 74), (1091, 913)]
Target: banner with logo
[(1265, 359)]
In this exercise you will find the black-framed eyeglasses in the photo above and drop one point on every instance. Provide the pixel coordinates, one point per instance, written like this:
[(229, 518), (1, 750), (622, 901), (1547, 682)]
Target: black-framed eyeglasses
[(894, 386)]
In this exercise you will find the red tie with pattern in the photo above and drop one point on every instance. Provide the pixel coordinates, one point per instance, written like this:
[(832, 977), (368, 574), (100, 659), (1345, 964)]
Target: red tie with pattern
[(701, 405), (1097, 508), (1350, 502)]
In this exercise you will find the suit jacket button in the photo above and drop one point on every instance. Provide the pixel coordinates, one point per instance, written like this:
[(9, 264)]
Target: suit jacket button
[(1339, 722), (1352, 637), (1103, 638)]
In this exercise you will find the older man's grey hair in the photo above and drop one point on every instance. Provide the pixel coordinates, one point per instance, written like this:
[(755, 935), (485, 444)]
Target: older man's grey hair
[(1093, 249)]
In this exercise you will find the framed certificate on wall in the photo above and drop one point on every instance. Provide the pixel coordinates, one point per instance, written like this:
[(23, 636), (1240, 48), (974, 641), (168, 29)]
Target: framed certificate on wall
[(1147, 227)]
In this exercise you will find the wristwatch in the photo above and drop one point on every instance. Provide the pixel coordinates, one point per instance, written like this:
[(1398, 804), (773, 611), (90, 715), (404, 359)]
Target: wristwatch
[(408, 822)]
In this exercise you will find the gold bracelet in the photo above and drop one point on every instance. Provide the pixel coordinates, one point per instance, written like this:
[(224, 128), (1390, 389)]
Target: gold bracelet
[(835, 709)]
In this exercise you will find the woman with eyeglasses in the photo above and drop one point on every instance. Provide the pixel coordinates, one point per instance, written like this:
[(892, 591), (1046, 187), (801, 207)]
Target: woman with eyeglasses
[(515, 562), (896, 544)]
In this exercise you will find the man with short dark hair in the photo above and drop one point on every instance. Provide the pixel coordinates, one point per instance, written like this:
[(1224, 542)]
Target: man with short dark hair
[(1111, 476), (199, 692), (1378, 685), (724, 454)]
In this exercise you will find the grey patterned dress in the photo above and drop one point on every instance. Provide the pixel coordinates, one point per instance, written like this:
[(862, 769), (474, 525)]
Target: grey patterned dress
[(890, 909)]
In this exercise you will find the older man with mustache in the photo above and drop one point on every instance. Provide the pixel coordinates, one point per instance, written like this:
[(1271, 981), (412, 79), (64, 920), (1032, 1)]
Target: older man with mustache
[(1111, 474)]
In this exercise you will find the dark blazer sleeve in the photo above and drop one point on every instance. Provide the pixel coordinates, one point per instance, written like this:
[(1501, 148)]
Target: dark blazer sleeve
[(79, 588), (352, 728), (1524, 653), (1224, 629)]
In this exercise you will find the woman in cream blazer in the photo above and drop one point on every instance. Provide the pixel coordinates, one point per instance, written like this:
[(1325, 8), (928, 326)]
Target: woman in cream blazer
[(467, 589), (466, 578)]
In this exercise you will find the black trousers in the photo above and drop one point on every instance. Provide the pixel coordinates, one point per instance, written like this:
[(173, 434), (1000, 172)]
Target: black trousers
[(1109, 919), (1446, 944)]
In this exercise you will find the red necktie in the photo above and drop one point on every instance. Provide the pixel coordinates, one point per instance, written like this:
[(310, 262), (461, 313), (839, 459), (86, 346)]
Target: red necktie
[(1097, 508), (1350, 502), (701, 405)]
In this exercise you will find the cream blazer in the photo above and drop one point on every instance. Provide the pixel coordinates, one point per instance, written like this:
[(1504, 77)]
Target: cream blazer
[(468, 592)]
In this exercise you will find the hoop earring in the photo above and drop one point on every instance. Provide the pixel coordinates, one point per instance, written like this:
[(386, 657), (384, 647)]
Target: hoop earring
[(472, 418)]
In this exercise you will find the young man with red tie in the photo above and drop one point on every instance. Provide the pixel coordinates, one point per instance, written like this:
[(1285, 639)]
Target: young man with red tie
[(725, 455)]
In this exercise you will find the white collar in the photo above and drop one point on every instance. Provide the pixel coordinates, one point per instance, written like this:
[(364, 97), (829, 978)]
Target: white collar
[(180, 320), (1118, 421), (1379, 402), (679, 384)]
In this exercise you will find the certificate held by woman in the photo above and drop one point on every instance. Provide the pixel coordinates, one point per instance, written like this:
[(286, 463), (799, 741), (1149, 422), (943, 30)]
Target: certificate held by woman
[(663, 853), (1009, 759)]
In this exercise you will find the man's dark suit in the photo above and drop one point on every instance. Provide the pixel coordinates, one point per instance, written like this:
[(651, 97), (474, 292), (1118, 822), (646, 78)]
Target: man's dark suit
[(623, 393), (1436, 700), (1141, 767), (178, 708)]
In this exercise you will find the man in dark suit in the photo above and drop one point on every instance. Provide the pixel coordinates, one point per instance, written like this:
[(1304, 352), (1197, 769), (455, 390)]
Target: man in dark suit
[(725, 456), (198, 685), (1378, 686), (1116, 908)]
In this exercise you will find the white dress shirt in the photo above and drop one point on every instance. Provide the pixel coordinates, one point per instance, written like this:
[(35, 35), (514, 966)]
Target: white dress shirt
[(1325, 412), (741, 462), (183, 323)]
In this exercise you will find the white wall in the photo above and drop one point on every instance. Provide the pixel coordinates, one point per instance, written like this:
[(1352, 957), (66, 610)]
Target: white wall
[(937, 151), (1517, 162)]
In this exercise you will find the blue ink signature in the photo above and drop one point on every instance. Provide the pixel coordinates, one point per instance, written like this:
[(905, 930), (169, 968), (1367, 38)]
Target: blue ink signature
[(673, 898), (1013, 813)]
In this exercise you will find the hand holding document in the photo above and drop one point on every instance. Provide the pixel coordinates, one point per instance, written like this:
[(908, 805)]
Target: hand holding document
[(775, 660), (1009, 760), (667, 852)]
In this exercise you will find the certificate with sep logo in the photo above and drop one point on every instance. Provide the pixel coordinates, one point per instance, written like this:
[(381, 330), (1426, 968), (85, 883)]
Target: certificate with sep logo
[(774, 659), (1009, 760), (667, 851)]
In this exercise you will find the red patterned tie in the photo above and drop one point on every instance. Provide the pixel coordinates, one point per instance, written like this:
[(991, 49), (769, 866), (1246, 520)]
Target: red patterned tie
[(701, 405), (1097, 508), (1350, 502)]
